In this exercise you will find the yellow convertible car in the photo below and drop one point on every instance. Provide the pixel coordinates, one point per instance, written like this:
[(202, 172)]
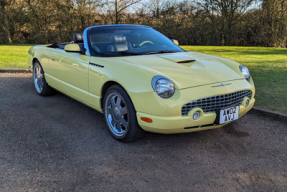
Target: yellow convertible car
[(142, 81)]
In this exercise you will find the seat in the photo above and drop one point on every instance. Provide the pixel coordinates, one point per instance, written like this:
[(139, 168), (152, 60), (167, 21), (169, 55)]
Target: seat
[(78, 38), (119, 43)]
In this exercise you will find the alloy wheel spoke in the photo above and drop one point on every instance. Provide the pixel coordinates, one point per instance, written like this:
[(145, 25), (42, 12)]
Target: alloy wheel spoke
[(119, 100), (113, 101), (41, 83), (124, 123), (118, 126), (113, 122), (38, 70), (109, 110), (123, 110)]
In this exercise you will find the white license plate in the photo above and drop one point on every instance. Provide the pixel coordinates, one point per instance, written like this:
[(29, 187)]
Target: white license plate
[(229, 114)]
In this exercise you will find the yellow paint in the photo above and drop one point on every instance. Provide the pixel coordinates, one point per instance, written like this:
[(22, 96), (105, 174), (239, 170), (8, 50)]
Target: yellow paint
[(72, 47), (71, 74)]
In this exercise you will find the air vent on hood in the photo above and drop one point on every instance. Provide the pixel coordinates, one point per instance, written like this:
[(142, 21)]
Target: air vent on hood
[(186, 61)]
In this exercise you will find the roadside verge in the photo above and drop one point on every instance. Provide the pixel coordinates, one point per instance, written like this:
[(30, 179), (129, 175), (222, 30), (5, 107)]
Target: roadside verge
[(269, 113), (15, 71)]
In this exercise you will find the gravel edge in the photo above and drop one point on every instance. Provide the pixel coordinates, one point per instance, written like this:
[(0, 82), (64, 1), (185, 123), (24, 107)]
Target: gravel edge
[(270, 113), (15, 71)]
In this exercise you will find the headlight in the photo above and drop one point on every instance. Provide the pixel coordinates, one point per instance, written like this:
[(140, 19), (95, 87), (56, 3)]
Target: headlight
[(245, 72), (163, 86)]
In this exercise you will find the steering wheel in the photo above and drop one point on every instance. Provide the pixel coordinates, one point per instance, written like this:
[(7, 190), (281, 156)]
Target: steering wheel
[(145, 42)]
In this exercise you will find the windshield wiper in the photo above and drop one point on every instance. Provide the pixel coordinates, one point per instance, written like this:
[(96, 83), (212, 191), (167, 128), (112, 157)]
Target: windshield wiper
[(156, 52), (122, 53)]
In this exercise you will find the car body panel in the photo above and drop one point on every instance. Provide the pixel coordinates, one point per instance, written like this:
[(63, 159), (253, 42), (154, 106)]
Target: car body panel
[(144, 101), (185, 124), (203, 70), (83, 78), (72, 70)]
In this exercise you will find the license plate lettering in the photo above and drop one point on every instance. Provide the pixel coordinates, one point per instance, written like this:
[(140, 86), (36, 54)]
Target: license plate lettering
[(229, 114)]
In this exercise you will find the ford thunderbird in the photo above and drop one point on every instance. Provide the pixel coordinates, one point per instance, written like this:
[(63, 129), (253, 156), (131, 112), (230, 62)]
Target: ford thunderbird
[(143, 81)]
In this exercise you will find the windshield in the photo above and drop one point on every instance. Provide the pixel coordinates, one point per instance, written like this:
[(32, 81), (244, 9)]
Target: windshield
[(118, 41)]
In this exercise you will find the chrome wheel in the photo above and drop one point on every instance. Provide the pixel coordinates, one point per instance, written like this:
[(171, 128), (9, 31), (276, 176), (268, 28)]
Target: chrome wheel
[(116, 114), (38, 78)]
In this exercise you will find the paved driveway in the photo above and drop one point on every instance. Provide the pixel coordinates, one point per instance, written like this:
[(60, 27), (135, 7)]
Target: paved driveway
[(58, 144)]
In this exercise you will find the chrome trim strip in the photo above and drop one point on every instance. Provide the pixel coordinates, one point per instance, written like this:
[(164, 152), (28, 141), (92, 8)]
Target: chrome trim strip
[(221, 85)]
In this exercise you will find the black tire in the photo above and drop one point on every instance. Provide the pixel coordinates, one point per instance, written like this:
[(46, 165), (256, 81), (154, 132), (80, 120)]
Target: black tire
[(133, 131), (45, 88)]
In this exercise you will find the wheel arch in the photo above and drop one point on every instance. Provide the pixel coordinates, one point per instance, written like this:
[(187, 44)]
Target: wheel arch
[(34, 61), (106, 86)]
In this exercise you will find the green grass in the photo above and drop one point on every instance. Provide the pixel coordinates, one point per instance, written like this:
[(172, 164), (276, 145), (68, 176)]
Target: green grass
[(14, 56), (268, 67)]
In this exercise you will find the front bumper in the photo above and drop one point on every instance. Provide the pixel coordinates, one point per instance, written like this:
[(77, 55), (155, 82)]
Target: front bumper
[(185, 124), (166, 113)]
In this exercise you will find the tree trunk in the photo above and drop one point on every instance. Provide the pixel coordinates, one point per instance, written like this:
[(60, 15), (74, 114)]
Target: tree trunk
[(6, 29), (117, 11)]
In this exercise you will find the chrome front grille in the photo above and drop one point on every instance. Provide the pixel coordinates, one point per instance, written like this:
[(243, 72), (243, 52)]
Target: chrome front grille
[(211, 104)]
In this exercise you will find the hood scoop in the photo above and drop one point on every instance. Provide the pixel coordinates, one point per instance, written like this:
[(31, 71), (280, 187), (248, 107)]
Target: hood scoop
[(186, 61)]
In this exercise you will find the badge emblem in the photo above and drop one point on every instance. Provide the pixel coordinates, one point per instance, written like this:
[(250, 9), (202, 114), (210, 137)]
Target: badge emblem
[(221, 85)]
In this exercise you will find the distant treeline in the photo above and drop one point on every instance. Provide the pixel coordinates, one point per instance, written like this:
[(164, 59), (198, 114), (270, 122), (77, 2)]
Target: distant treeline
[(198, 22)]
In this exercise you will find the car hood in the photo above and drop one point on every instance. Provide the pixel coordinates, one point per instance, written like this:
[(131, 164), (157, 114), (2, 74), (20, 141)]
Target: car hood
[(187, 69)]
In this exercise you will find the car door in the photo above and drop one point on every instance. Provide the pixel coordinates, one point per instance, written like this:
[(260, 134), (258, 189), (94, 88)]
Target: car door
[(97, 77), (70, 70)]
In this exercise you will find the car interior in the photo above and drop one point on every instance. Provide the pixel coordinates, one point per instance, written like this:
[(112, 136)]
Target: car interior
[(117, 43)]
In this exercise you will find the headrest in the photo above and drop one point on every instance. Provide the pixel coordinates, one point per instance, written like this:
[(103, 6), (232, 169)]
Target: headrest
[(118, 39), (78, 37)]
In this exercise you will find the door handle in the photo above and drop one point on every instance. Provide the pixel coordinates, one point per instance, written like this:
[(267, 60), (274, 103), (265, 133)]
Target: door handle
[(75, 65), (53, 59)]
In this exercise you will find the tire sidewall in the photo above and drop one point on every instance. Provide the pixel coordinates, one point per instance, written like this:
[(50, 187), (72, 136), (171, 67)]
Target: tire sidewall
[(128, 111), (134, 130), (46, 89), (34, 67)]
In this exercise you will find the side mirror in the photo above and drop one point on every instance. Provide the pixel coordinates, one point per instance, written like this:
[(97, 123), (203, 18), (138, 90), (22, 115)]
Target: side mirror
[(72, 47), (175, 42)]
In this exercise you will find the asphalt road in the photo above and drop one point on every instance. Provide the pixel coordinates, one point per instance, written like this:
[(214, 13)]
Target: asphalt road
[(58, 144)]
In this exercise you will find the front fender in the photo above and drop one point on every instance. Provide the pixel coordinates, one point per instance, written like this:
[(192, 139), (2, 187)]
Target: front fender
[(133, 78)]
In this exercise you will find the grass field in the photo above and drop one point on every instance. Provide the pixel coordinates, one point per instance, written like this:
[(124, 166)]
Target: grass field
[(268, 67), (14, 56)]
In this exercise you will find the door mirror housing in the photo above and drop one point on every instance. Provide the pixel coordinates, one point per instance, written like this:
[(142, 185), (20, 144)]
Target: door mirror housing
[(175, 42), (72, 47)]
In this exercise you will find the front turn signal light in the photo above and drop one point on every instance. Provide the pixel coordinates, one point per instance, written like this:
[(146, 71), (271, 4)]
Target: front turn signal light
[(145, 119)]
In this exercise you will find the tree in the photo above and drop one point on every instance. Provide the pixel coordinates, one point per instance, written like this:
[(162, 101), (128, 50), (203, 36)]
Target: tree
[(224, 14), (4, 7), (274, 19), (121, 5)]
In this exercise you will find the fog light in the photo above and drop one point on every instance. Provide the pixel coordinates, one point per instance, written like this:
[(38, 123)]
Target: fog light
[(196, 115), (246, 103)]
